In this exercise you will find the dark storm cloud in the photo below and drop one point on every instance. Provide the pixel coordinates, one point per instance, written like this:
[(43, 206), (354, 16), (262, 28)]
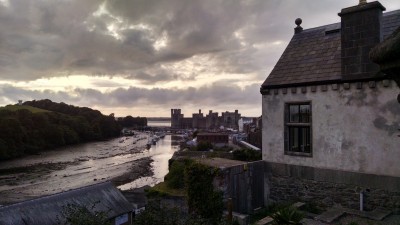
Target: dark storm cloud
[(161, 97), (157, 75), (48, 38)]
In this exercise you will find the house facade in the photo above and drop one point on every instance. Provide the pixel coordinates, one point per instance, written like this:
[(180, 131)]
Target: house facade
[(330, 115)]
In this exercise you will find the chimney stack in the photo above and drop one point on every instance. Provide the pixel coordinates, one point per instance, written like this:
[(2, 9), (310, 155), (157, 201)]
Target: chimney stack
[(361, 30)]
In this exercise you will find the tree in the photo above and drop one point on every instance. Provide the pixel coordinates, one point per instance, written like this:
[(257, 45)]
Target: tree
[(203, 200)]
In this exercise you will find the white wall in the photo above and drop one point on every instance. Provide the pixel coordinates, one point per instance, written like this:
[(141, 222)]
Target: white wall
[(352, 130)]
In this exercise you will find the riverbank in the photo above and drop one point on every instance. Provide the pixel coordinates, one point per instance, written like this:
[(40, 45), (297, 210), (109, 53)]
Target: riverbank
[(124, 161), (118, 160), (17, 186)]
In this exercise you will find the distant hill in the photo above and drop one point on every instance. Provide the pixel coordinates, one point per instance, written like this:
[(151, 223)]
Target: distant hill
[(41, 125), (20, 107)]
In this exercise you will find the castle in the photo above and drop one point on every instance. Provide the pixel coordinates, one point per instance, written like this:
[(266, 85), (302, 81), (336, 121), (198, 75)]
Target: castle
[(209, 121)]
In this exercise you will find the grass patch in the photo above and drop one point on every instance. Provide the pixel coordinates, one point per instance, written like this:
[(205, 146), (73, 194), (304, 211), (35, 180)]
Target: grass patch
[(20, 107)]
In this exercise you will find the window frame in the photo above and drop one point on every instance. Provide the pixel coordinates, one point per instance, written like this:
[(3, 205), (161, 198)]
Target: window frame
[(288, 124)]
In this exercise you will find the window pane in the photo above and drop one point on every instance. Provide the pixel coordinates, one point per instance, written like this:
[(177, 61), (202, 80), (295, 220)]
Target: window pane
[(294, 113), (305, 140), (304, 114), (300, 139), (298, 128), (293, 139)]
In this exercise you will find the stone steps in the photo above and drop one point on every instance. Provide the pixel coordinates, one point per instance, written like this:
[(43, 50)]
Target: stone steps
[(330, 215), (333, 214)]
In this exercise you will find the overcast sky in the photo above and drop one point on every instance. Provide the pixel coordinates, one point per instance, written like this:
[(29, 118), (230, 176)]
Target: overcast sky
[(144, 57)]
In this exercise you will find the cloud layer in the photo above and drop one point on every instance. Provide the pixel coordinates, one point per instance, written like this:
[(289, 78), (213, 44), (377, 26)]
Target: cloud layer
[(170, 52)]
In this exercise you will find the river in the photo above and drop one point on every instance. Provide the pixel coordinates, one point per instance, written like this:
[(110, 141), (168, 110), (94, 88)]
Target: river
[(126, 161)]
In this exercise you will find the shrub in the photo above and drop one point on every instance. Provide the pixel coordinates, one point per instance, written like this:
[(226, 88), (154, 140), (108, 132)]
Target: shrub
[(287, 216), (247, 155), (203, 201), (175, 177), (204, 146)]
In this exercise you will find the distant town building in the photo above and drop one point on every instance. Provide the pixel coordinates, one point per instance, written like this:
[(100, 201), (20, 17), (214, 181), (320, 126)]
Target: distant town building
[(212, 121), (176, 118), (199, 121), (242, 121), (213, 138), (230, 119), (254, 132)]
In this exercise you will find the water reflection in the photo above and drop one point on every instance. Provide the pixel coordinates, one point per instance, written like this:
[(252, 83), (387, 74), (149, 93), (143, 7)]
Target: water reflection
[(161, 153)]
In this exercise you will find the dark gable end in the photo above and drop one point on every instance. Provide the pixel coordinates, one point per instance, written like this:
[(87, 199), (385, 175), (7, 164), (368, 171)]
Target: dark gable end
[(46, 210), (314, 56)]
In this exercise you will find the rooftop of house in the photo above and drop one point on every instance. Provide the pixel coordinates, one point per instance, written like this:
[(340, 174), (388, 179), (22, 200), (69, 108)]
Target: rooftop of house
[(313, 56), (47, 210)]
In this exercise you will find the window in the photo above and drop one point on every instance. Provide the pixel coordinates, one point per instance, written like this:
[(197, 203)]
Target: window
[(298, 140)]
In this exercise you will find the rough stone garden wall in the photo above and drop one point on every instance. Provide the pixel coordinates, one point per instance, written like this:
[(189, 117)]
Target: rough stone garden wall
[(326, 188)]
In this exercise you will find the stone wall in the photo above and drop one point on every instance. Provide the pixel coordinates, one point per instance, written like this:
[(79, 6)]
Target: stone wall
[(354, 126), (326, 188)]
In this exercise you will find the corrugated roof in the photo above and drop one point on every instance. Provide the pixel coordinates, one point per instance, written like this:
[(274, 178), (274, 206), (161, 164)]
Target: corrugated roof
[(314, 55), (46, 210)]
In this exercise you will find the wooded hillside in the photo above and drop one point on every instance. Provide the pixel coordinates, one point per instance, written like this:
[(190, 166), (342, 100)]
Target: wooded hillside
[(42, 125)]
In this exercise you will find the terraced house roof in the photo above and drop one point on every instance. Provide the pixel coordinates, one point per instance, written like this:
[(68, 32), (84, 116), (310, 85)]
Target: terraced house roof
[(47, 210)]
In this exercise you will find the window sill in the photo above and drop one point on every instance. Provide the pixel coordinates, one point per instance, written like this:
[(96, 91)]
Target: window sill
[(303, 154)]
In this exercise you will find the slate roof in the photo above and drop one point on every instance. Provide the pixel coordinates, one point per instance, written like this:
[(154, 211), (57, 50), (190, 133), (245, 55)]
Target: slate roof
[(46, 210), (314, 55)]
